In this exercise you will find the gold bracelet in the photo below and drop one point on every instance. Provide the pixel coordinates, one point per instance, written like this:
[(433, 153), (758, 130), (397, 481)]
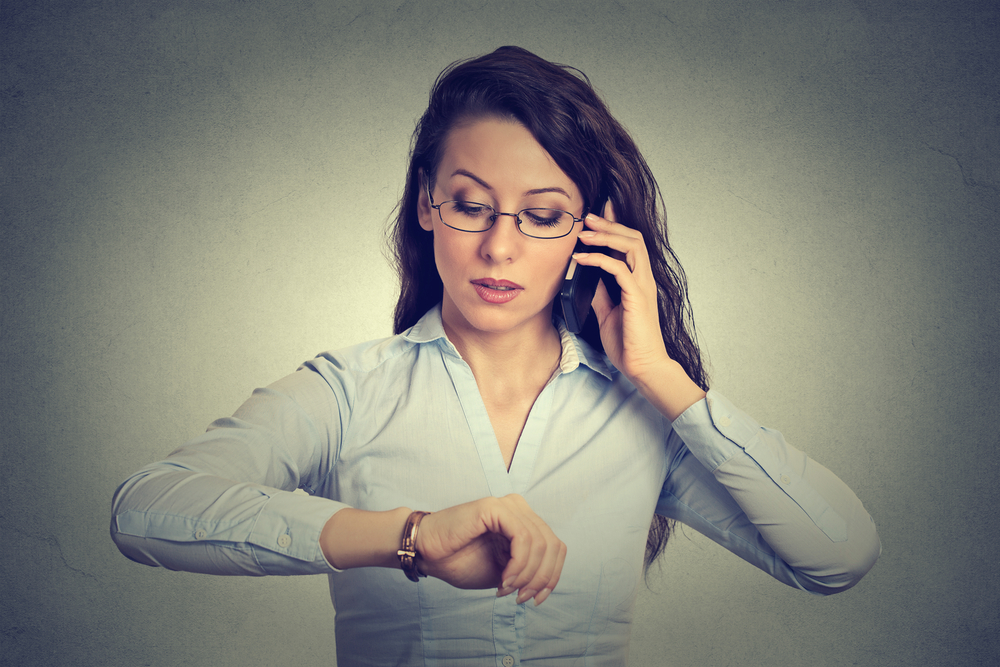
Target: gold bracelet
[(408, 550)]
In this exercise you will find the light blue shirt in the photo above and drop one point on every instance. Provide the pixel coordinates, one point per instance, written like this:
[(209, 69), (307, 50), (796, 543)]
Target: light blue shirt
[(400, 422)]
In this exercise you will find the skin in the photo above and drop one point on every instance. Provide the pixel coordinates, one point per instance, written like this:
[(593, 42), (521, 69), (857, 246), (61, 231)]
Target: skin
[(512, 349)]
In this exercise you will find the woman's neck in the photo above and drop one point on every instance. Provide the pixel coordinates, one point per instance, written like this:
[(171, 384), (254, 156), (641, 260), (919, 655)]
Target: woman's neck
[(516, 359)]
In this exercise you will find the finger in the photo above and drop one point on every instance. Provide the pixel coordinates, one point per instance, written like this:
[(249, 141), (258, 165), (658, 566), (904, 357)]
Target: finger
[(551, 549), (540, 570), (618, 268), (539, 552), (556, 573), (623, 240), (618, 243), (595, 222), (549, 570), (625, 236), (609, 211), (507, 520), (532, 547)]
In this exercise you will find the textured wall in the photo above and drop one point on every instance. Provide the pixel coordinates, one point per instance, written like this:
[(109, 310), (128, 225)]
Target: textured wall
[(193, 197)]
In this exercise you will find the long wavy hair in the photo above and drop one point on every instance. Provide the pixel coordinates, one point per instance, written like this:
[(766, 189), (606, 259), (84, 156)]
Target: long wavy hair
[(557, 104)]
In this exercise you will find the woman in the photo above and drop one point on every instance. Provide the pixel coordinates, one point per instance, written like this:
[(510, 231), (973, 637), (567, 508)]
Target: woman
[(541, 456)]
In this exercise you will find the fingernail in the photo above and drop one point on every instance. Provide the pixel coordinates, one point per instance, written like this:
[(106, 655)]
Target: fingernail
[(578, 255), (506, 584), (588, 234), (526, 595), (541, 597)]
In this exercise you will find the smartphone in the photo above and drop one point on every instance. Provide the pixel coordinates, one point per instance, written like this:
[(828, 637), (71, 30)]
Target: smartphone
[(580, 283)]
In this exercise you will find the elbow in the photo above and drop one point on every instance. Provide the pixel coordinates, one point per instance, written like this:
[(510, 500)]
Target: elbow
[(865, 555), (855, 560), (126, 543), (128, 535), (129, 545)]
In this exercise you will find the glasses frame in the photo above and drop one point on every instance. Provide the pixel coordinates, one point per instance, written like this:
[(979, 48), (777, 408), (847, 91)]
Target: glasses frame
[(497, 214)]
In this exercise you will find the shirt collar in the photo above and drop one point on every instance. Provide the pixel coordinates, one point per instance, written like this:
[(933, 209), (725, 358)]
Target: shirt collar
[(575, 350)]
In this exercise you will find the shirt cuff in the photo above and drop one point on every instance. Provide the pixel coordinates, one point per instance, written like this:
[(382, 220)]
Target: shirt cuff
[(285, 537), (702, 424)]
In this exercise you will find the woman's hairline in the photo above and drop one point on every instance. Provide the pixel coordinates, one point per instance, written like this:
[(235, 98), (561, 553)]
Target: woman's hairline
[(464, 120)]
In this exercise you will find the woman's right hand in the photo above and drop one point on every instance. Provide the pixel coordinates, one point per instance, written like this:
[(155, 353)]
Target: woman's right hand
[(491, 542)]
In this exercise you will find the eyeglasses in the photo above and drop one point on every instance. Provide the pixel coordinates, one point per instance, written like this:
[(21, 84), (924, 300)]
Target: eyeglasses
[(538, 223)]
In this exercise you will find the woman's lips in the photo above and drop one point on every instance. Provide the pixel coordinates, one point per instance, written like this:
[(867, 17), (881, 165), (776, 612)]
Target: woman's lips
[(496, 291)]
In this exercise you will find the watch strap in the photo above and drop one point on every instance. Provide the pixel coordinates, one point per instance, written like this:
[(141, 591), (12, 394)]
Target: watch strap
[(408, 549)]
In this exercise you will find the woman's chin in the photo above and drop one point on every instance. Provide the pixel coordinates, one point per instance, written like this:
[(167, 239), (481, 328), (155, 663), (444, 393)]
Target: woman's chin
[(495, 318)]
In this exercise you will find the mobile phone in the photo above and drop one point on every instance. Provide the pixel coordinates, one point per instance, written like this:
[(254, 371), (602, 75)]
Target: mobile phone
[(580, 283)]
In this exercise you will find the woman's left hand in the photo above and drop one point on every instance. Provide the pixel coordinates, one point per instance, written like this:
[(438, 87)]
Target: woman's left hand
[(630, 331)]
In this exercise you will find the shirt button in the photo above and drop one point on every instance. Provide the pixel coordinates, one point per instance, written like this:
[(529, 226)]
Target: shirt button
[(508, 661), (284, 541), (200, 534), (786, 480), (723, 421)]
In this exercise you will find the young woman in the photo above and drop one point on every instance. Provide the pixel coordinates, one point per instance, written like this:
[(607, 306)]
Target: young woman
[(541, 456)]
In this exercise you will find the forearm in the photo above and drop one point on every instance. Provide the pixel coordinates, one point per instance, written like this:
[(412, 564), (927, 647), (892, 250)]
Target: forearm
[(813, 520), (747, 489), (184, 520), (357, 538), (668, 388)]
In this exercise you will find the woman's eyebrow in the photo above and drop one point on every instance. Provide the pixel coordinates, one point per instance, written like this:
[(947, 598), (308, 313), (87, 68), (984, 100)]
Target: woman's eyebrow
[(544, 190), (463, 172), (536, 191)]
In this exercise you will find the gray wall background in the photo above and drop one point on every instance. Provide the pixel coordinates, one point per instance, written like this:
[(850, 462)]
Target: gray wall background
[(193, 198)]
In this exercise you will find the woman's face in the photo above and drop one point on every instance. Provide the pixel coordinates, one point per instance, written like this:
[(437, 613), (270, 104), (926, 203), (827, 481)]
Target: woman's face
[(499, 163)]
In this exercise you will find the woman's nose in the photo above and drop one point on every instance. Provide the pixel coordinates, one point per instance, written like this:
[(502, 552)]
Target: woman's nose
[(501, 240)]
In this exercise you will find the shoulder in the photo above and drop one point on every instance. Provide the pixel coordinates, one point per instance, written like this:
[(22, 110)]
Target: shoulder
[(336, 381), (361, 359), (380, 356)]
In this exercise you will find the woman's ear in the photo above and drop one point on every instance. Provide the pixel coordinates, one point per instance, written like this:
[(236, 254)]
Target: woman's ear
[(424, 210)]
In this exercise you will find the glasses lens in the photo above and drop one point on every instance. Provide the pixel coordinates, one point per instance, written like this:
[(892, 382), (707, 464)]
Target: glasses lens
[(467, 215), (545, 223)]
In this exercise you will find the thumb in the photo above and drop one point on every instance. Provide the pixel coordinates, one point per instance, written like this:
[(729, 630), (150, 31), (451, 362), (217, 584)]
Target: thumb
[(609, 211)]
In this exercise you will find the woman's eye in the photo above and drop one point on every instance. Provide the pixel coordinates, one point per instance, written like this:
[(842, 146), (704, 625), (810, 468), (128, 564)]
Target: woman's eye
[(543, 217), (472, 209)]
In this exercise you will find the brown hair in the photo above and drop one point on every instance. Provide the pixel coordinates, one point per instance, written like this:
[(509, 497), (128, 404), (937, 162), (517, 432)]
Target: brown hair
[(557, 104)]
